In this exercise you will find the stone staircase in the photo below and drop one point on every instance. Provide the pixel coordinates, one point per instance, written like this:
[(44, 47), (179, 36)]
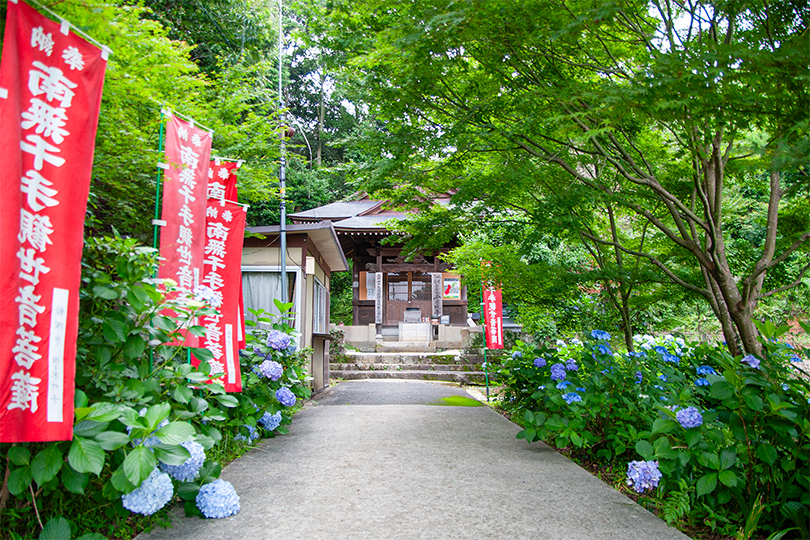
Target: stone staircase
[(409, 361)]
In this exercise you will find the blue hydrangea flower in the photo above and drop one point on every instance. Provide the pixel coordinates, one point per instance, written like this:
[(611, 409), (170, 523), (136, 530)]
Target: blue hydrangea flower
[(561, 344), (278, 340), (672, 358), (539, 362), (706, 370), (571, 397), (203, 293), (639, 377), (659, 387), (564, 384), (604, 349), (575, 341), (151, 495), (701, 382), (795, 358), (270, 421), (663, 377), (579, 389), (600, 334), (751, 360), (541, 387), (517, 354), (271, 370), (643, 475), (218, 500), (661, 350), (689, 417), (558, 372), (285, 397), (571, 365), (785, 387), (187, 471), (252, 435)]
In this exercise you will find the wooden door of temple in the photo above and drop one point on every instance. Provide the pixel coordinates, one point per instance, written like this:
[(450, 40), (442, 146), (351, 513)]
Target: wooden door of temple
[(404, 291)]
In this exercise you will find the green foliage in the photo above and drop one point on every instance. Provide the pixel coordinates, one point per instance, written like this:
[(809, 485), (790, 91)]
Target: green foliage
[(137, 400), (751, 441)]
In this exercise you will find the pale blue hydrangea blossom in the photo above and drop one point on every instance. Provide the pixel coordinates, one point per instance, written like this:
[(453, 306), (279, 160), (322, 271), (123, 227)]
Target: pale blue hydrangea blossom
[(271, 370), (701, 382), (151, 495), (187, 471), (285, 397), (203, 293), (600, 334), (252, 435), (689, 417), (563, 385), (571, 397), (218, 500), (558, 372), (539, 362), (278, 340), (751, 360), (270, 421), (517, 354), (571, 365), (643, 475), (705, 370)]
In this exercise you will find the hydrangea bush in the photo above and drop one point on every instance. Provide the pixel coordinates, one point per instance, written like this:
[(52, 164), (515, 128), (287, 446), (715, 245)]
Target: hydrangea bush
[(149, 424), (714, 432)]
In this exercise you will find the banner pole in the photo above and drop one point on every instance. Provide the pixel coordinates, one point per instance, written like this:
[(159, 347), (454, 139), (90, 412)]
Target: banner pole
[(282, 182), (157, 217), (484, 335), (157, 192)]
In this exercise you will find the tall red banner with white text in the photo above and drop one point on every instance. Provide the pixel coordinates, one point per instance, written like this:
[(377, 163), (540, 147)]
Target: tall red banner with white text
[(182, 237), (224, 233), (50, 93), (493, 317), (222, 185)]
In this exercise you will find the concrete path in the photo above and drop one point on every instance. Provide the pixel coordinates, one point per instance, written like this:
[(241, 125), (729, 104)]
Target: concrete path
[(375, 460)]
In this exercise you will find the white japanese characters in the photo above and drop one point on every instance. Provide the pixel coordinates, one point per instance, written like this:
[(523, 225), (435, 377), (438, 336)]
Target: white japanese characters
[(43, 131)]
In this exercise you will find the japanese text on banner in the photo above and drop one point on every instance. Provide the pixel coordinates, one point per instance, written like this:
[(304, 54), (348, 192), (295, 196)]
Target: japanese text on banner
[(224, 231), (51, 83)]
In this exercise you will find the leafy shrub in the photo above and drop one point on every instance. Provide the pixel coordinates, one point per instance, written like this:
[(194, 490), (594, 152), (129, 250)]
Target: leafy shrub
[(723, 431), (142, 407)]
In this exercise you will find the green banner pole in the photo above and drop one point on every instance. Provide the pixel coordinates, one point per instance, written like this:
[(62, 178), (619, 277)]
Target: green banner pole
[(484, 324), (155, 221)]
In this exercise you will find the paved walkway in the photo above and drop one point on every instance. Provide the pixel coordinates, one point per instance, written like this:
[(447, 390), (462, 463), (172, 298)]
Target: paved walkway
[(375, 460)]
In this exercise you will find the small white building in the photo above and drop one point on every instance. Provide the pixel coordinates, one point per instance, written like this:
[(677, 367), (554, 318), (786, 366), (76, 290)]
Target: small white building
[(313, 253)]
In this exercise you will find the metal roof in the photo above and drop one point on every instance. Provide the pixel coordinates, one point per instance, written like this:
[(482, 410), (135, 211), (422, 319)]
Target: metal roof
[(337, 210), (323, 236), (369, 222)]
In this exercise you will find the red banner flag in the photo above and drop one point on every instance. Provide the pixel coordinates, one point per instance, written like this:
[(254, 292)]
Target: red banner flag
[(222, 185), (50, 93), (493, 317), (222, 180), (182, 238), (224, 232)]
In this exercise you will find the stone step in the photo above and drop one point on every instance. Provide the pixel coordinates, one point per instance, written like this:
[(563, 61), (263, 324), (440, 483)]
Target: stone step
[(398, 358), (407, 367), (475, 377)]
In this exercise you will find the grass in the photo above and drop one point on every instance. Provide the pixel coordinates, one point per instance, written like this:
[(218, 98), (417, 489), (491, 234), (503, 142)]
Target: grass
[(459, 401)]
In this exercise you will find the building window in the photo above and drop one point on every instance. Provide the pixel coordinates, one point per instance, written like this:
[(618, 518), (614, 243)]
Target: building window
[(320, 302), (260, 289)]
